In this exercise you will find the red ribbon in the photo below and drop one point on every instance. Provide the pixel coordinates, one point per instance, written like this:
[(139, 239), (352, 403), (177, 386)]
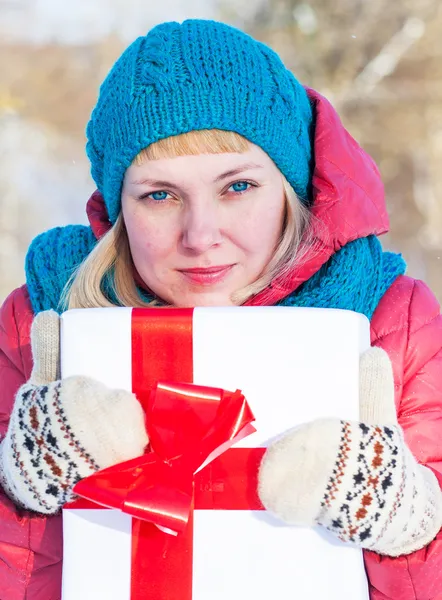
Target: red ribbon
[(188, 426)]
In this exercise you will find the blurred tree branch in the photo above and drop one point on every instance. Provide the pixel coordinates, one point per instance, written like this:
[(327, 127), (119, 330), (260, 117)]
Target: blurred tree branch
[(380, 63)]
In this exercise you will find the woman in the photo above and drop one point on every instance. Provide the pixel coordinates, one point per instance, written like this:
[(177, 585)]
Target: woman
[(221, 180)]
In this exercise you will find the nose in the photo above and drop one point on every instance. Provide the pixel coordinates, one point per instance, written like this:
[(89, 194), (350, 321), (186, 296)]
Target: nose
[(201, 227)]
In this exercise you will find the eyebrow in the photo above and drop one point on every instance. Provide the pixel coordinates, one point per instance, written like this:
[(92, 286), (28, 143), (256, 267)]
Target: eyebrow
[(240, 169), (221, 177)]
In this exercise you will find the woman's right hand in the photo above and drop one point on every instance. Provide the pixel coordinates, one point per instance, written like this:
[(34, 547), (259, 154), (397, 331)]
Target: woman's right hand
[(62, 430)]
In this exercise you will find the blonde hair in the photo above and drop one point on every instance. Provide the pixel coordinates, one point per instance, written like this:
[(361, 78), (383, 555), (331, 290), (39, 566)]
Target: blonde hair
[(112, 252)]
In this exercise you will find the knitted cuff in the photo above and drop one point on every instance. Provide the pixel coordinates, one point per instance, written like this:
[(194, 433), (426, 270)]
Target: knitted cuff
[(376, 388), (45, 342), (62, 432)]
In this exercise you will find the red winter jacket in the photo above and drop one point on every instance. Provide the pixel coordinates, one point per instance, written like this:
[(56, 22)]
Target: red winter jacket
[(349, 204)]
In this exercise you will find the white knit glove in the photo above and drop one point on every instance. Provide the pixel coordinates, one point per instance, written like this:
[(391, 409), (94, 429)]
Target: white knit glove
[(359, 480), (61, 431)]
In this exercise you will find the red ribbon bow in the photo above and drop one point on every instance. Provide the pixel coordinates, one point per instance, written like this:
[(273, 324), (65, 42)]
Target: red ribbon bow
[(188, 426)]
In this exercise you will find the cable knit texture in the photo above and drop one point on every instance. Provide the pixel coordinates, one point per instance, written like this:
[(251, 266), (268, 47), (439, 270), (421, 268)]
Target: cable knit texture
[(359, 480), (191, 76)]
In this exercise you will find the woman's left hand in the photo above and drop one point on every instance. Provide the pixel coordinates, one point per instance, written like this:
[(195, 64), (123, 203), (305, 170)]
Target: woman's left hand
[(359, 480)]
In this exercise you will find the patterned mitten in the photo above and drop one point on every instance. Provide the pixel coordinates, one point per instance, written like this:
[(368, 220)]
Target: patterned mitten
[(359, 480), (63, 430)]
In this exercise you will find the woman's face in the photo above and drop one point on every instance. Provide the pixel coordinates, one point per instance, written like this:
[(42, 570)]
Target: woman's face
[(203, 227)]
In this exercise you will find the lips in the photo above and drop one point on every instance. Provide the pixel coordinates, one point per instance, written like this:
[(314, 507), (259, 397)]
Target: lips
[(208, 275)]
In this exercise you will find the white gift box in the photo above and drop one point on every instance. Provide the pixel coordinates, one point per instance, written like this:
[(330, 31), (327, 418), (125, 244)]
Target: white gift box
[(293, 365)]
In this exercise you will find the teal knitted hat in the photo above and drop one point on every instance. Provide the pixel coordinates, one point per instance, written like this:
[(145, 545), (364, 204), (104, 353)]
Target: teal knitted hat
[(198, 75)]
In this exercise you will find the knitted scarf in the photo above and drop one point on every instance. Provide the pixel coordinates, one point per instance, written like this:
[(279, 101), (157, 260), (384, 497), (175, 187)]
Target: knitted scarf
[(354, 278)]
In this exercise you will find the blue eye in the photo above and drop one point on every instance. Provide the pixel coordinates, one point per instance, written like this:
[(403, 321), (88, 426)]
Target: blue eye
[(240, 186), (158, 196)]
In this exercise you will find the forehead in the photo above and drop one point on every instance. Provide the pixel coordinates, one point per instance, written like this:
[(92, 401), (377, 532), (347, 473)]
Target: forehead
[(201, 166)]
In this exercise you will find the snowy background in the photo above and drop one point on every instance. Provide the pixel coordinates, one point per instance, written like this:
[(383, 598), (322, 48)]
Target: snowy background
[(379, 62)]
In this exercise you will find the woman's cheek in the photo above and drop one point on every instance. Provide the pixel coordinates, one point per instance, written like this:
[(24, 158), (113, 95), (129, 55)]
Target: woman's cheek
[(141, 244), (157, 243)]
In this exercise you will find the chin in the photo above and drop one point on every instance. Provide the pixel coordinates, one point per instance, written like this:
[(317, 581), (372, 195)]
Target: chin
[(196, 300)]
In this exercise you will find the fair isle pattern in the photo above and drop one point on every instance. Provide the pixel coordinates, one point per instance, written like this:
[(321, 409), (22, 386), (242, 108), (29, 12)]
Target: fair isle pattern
[(367, 485), (418, 515), (378, 497), (44, 459)]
